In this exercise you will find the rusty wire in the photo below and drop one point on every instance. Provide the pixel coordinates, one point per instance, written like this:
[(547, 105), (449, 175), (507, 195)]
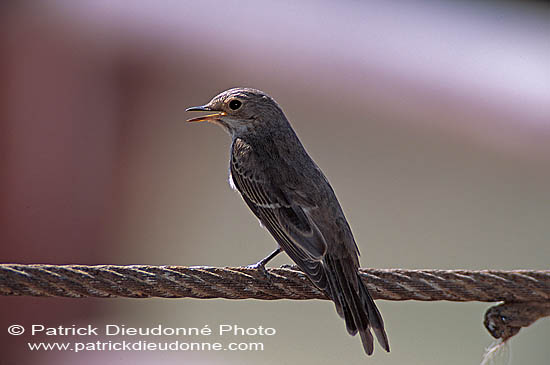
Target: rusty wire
[(525, 293)]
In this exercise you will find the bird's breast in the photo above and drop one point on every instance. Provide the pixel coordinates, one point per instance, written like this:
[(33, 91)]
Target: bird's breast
[(231, 182)]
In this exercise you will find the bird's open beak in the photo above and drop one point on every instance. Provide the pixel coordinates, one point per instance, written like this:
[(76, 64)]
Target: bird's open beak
[(204, 118)]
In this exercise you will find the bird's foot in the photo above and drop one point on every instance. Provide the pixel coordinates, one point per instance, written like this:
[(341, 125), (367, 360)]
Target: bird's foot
[(260, 265)]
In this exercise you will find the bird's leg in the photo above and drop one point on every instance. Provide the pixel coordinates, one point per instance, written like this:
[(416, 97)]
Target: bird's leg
[(260, 265)]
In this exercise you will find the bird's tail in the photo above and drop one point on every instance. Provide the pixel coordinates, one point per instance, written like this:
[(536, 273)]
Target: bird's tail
[(354, 303)]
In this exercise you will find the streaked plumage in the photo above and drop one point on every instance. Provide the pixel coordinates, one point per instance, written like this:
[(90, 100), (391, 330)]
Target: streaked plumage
[(291, 197)]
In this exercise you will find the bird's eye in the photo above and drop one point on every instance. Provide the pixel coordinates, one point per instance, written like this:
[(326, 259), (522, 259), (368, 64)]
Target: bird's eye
[(235, 104)]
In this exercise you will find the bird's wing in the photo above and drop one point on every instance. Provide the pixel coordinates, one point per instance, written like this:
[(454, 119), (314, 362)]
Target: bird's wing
[(289, 222), (289, 216)]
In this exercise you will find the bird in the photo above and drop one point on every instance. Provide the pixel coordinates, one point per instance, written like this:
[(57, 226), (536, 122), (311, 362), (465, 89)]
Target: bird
[(294, 201)]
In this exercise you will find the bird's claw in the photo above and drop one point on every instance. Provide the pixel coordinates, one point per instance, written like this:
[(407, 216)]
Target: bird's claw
[(261, 267)]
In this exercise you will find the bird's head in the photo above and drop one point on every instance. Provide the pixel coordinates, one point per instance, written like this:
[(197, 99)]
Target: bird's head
[(239, 110)]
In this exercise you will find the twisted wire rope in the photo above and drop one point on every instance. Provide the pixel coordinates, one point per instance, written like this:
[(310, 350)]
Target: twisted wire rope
[(525, 293)]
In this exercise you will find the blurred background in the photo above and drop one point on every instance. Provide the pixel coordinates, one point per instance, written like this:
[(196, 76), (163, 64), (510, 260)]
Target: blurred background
[(430, 118)]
